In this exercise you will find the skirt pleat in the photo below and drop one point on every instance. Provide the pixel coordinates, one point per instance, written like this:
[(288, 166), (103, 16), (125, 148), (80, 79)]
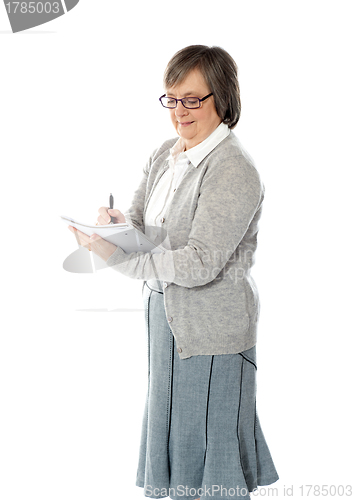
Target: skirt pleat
[(201, 435)]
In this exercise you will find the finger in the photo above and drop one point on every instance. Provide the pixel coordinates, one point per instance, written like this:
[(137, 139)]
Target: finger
[(114, 212), (95, 237), (116, 215), (103, 210), (104, 220), (82, 238), (103, 217), (74, 230)]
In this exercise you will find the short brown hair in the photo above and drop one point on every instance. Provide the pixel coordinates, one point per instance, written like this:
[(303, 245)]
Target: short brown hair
[(220, 73)]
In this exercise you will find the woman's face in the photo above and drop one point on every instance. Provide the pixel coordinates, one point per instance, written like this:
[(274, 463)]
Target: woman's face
[(193, 125)]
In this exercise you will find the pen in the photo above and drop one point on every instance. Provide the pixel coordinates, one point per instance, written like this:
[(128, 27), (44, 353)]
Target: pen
[(111, 200)]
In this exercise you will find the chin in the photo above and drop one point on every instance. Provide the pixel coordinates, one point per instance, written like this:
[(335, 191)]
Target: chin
[(186, 137)]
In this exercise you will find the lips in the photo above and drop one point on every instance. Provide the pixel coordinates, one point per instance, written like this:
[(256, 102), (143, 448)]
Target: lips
[(185, 124)]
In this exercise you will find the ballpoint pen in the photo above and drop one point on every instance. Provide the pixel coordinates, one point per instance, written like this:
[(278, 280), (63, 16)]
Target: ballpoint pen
[(111, 200)]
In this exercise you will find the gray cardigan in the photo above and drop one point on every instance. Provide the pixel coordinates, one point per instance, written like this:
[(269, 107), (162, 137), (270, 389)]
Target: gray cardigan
[(211, 300)]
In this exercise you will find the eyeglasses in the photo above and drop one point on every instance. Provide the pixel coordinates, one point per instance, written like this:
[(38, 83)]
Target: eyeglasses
[(188, 102)]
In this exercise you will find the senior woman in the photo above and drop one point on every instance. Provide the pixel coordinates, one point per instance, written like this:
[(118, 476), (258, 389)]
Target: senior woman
[(201, 436)]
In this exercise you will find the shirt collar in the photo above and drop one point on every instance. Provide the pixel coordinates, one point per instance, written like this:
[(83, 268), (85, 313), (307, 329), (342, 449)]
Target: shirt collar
[(198, 153)]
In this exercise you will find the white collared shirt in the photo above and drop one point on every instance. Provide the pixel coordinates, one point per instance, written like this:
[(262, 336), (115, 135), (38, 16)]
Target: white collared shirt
[(179, 161)]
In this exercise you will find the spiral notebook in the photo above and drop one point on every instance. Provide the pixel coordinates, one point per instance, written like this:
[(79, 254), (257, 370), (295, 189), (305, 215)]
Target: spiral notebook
[(123, 235)]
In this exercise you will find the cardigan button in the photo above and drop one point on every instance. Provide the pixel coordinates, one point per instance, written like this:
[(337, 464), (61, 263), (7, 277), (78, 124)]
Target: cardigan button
[(179, 349), (162, 219), (169, 319), (164, 284)]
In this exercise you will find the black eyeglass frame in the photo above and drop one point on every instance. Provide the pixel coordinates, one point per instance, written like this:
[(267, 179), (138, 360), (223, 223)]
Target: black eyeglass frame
[(190, 97)]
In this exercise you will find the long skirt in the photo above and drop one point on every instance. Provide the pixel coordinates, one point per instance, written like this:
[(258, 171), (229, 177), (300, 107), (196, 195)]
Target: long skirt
[(201, 437)]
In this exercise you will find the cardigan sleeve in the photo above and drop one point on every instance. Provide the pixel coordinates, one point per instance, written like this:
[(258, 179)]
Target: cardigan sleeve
[(231, 193)]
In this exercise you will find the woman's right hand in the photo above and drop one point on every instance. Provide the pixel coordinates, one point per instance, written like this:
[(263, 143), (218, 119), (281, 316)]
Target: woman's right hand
[(105, 214)]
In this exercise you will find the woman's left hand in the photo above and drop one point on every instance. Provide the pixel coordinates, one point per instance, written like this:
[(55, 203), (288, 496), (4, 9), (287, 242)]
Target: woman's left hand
[(101, 247)]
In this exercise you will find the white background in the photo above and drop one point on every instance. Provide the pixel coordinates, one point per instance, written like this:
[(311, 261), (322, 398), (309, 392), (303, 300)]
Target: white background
[(73, 380)]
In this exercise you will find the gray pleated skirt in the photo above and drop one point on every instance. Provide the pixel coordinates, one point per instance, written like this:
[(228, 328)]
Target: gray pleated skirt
[(201, 436)]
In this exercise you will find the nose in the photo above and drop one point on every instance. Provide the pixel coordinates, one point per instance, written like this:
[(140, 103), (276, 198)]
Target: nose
[(180, 110)]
